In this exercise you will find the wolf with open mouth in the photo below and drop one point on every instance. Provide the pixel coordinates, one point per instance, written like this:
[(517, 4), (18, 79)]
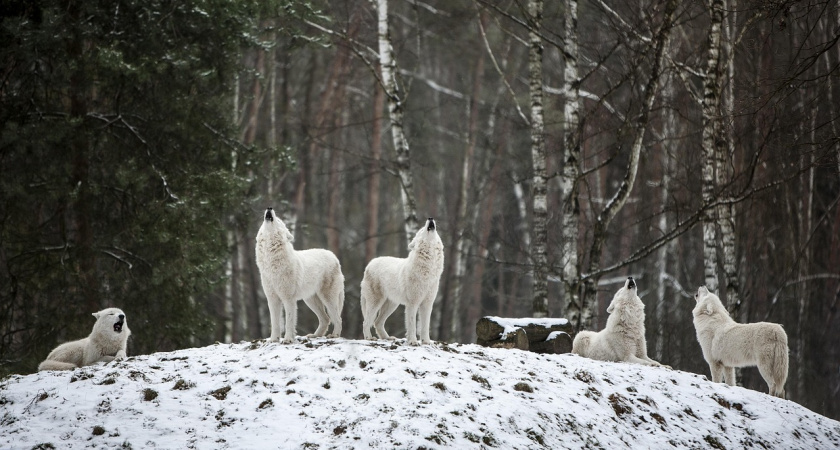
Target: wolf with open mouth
[(107, 342)]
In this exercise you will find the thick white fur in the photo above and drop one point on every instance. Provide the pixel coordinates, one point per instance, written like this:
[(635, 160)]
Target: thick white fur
[(289, 275), (727, 344), (413, 281), (103, 344), (623, 339)]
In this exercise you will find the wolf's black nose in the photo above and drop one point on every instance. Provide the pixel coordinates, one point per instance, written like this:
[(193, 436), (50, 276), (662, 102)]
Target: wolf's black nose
[(121, 316)]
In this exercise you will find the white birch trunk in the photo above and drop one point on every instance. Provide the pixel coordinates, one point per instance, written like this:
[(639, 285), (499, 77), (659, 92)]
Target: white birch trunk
[(539, 197), (710, 136), (570, 273), (726, 212), (388, 66)]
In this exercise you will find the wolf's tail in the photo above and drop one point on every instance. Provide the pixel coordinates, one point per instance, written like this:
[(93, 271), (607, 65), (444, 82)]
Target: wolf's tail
[(51, 364), (779, 362), (580, 346)]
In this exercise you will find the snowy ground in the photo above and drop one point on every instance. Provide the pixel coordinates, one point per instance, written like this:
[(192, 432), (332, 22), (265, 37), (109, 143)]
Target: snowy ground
[(338, 393)]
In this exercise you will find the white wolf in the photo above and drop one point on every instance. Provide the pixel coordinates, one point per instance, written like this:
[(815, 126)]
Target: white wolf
[(413, 281), (105, 343), (289, 275), (623, 339), (727, 344)]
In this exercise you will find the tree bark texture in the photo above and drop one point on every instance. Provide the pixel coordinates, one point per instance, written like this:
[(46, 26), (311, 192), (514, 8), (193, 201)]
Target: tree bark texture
[(539, 191), (710, 142), (570, 270), (388, 67)]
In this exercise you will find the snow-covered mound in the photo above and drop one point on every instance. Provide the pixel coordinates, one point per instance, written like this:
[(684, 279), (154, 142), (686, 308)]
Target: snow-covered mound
[(337, 393)]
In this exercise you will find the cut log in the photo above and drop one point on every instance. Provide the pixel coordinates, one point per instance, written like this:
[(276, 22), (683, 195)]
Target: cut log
[(537, 335), (491, 328), (558, 342)]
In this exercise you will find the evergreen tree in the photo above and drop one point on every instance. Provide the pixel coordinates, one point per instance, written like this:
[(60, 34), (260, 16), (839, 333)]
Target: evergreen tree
[(116, 152)]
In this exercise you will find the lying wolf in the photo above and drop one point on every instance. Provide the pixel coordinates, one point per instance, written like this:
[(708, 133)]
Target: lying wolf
[(623, 339), (727, 344), (105, 343)]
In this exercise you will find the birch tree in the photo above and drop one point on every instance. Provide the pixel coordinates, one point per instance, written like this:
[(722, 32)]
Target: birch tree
[(388, 67), (710, 143), (570, 270), (539, 242), (726, 212)]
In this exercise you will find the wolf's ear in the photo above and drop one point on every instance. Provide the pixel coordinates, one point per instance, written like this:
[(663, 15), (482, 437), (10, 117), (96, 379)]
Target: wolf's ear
[(96, 314), (289, 236), (411, 245), (610, 308), (707, 309)]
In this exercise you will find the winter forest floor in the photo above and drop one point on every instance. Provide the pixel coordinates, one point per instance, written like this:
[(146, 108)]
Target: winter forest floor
[(338, 393)]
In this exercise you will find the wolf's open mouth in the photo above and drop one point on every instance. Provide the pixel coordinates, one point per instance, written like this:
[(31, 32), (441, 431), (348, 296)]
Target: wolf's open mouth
[(118, 327), (431, 224), (632, 283), (268, 216)]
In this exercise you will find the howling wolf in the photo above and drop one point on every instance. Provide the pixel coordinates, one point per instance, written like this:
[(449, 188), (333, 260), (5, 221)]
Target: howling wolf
[(727, 344), (105, 343), (289, 275), (413, 281), (623, 339)]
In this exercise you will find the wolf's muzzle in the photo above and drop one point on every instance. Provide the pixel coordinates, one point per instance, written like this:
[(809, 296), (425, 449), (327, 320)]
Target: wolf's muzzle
[(119, 325), (631, 283), (431, 226), (268, 215)]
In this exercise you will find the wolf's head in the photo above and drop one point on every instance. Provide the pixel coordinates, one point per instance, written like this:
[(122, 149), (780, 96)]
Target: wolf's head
[(426, 235), (707, 303), (110, 321), (626, 293), (273, 225)]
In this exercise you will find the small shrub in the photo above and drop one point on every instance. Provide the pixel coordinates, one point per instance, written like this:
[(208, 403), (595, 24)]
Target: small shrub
[(713, 442), (658, 418), (523, 387), (619, 404), (534, 436), (267, 403), (481, 380), (584, 376), (182, 385), (149, 394), (98, 431), (221, 393), (440, 386)]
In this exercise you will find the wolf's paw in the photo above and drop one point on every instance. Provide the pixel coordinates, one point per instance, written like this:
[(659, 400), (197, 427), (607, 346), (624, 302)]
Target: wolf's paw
[(427, 342), (667, 367), (287, 341), (333, 336), (414, 343)]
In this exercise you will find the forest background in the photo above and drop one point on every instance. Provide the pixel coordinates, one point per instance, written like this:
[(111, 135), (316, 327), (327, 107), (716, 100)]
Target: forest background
[(561, 147)]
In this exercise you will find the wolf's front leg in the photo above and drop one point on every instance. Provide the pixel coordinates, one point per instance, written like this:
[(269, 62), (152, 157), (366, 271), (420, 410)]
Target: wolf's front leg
[(291, 320)]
